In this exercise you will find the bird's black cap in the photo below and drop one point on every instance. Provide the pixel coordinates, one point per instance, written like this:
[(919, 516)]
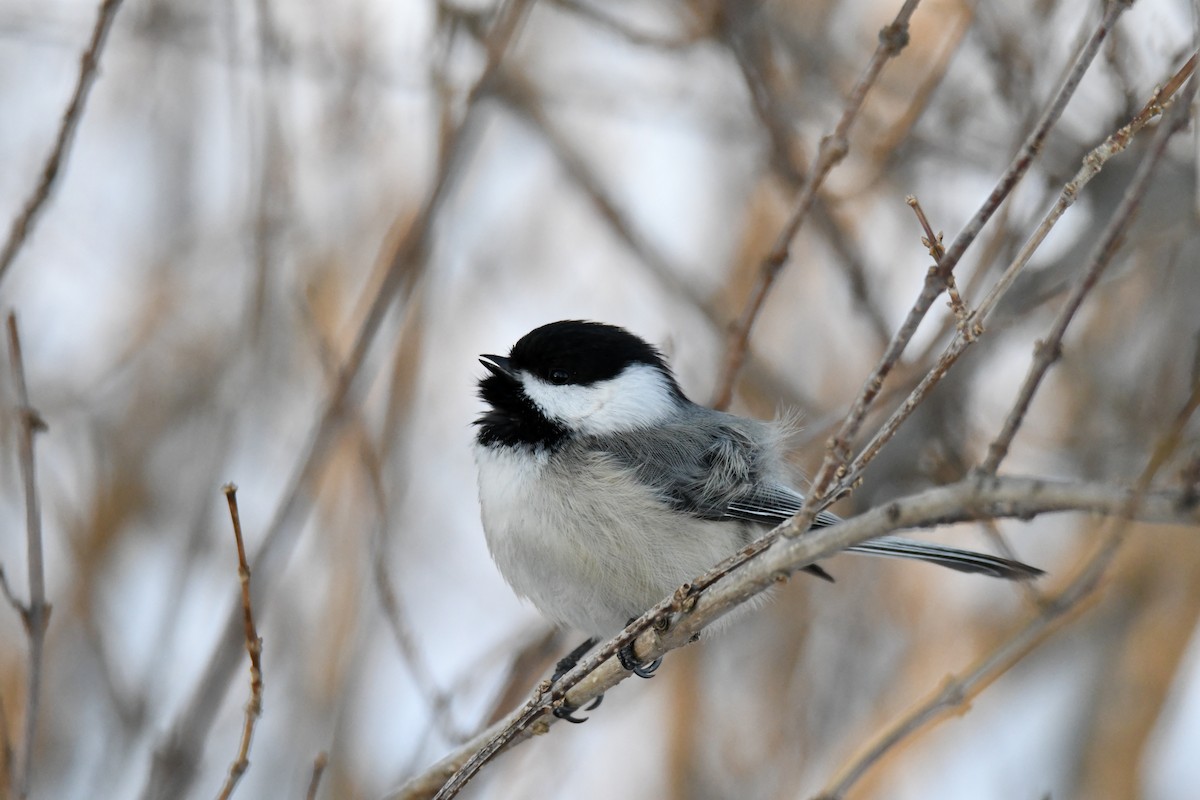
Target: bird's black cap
[(583, 352)]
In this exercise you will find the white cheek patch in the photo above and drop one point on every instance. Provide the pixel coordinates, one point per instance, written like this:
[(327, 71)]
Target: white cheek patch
[(638, 397)]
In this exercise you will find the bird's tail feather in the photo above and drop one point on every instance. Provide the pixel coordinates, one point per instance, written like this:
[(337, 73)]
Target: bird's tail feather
[(952, 557)]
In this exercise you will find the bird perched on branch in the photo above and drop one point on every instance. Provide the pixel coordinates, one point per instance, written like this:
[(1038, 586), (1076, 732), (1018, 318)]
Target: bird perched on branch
[(603, 487)]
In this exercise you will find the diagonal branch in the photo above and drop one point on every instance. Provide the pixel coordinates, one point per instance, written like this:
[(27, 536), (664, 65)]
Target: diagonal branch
[(833, 467), (1067, 606), (1049, 350), (1093, 162), (88, 66), (751, 49), (679, 619), (834, 147), (969, 332)]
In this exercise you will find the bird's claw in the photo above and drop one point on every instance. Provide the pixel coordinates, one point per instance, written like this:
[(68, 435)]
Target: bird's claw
[(566, 712), (640, 668)]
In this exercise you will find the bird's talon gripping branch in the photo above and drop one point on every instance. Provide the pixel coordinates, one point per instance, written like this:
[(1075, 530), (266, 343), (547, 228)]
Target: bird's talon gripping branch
[(566, 712), (640, 668)]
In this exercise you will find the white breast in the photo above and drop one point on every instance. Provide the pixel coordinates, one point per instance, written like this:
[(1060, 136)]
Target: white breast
[(587, 545)]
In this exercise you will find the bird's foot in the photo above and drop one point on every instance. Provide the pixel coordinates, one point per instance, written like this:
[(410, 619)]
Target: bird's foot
[(640, 668), (567, 712), (565, 665), (568, 662)]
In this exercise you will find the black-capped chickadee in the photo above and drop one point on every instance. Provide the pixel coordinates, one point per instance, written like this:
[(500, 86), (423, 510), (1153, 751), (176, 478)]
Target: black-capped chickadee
[(603, 487)]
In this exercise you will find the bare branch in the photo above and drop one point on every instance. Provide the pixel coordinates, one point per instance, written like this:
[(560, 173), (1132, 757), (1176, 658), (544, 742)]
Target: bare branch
[(679, 619), (838, 452), (1049, 350), (394, 614), (933, 243), (1057, 612), (834, 147), (88, 64), (968, 333), (35, 615), (1093, 162), (253, 648), (751, 48)]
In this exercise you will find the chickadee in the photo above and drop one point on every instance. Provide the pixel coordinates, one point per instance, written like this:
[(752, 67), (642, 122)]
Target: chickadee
[(603, 487)]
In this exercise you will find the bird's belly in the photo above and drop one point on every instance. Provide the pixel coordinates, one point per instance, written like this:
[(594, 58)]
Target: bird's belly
[(588, 547)]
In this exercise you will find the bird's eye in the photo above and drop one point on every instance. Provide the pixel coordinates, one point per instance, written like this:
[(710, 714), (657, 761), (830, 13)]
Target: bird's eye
[(559, 376)]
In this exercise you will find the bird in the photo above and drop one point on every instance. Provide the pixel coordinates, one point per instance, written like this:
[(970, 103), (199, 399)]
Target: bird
[(602, 487)]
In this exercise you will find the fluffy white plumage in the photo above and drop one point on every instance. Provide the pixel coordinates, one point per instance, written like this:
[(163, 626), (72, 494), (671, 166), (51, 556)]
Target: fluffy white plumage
[(635, 552)]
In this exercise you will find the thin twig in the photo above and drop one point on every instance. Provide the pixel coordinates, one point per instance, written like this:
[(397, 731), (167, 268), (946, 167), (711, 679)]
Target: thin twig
[(253, 647), (833, 467), (886, 149), (694, 606), (968, 334), (1049, 349), (1093, 162), (931, 240), (749, 41), (833, 148), (1062, 609), (88, 64), (318, 769), (933, 243), (35, 615)]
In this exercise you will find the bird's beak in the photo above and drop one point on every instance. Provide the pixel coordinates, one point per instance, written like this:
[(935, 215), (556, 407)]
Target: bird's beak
[(499, 366)]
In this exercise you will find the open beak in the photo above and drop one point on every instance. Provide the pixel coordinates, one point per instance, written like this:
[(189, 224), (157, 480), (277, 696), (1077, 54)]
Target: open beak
[(498, 365)]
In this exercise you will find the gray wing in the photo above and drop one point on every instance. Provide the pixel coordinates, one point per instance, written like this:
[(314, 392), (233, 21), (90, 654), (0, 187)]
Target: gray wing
[(718, 468), (713, 466), (773, 504)]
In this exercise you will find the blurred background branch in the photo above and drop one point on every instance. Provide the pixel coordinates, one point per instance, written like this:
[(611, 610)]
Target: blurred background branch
[(88, 67), (35, 614)]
